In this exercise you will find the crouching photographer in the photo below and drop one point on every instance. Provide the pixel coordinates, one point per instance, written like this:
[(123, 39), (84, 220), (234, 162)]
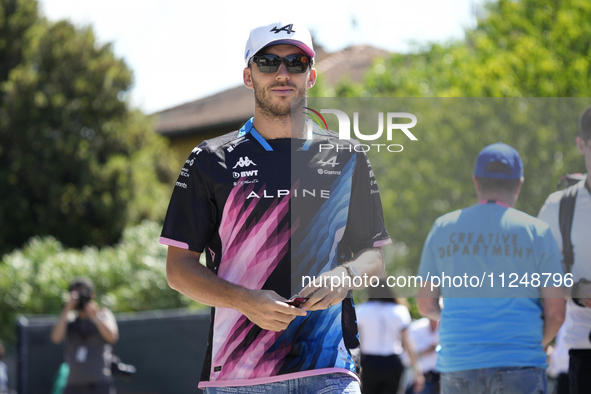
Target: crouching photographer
[(89, 333)]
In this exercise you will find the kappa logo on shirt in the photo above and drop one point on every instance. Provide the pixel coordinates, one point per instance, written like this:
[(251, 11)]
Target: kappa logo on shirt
[(244, 162)]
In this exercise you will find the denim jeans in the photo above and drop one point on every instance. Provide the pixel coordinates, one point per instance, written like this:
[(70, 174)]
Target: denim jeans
[(333, 383), (507, 380)]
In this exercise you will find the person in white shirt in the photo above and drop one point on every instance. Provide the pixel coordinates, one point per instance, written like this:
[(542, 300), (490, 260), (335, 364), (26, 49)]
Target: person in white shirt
[(425, 335), (383, 335), (577, 324), (558, 364)]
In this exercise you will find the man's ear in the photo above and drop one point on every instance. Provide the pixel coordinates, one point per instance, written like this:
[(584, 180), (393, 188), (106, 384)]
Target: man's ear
[(476, 184), (518, 188), (311, 78), (247, 77)]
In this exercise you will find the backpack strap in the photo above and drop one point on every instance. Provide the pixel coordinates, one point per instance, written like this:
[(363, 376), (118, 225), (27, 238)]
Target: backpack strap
[(565, 220)]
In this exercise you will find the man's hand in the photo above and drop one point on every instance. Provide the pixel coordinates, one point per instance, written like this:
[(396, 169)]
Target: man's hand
[(268, 310), (418, 382), (72, 302), (91, 309), (324, 297), (265, 308)]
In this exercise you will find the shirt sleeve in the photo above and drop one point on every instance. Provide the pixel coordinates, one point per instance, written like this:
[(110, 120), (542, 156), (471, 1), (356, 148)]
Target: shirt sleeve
[(365, 224), (404, 316), (191, 217)]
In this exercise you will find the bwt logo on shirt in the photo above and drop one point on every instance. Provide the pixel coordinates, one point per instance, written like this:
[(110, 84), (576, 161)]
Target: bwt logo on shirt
[(243, 174), (345, 129)]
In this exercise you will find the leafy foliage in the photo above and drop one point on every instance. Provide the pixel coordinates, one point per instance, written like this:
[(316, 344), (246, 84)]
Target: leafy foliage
[(75, 161), (524, 48), (129, 276)]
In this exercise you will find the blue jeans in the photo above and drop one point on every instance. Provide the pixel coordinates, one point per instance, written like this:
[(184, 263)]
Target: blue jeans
[(507, 380), (333, 383)]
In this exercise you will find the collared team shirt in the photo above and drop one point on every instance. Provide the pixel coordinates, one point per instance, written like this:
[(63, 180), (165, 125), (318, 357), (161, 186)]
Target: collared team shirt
[(266, 213)]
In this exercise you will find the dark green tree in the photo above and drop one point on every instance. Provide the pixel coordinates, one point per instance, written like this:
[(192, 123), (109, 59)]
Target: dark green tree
[(16, 19), (76, 161)]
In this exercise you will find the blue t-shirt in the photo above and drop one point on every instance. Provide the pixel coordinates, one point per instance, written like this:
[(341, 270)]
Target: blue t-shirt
[(488, 257)]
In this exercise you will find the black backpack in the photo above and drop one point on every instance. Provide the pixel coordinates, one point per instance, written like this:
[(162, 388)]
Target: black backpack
[(565, 218)]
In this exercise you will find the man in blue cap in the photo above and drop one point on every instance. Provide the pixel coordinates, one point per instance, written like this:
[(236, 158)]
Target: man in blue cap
[(490, 263)]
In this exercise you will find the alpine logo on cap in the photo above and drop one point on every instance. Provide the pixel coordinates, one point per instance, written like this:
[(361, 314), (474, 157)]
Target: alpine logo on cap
[(286, 28)]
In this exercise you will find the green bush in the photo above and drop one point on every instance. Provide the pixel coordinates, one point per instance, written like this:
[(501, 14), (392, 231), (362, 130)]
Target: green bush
[(129, 276)]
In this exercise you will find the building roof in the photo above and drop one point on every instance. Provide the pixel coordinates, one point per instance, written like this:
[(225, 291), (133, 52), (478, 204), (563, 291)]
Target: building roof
[(352, 62), (228, 110)]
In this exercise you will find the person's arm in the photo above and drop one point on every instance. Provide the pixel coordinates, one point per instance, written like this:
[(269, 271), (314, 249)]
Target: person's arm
[(554, 310), (104, 321), (428, 301), (409, 346), (58, 332), (367, 263), (265, 308)]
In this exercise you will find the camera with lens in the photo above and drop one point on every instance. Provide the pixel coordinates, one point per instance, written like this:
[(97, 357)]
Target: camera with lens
[(83, 298)]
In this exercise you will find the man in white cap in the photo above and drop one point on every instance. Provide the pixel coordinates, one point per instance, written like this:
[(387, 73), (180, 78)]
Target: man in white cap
[(494, 325), (261, 207)]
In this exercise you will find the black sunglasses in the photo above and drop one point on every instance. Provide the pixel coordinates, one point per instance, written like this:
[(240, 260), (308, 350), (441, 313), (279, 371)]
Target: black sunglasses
[(295, 64)]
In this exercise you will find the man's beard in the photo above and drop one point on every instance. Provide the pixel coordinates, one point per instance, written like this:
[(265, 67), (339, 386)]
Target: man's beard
[(275, 110)]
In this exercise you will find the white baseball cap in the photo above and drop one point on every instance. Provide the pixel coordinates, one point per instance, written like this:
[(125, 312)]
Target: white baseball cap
[(278, 33)]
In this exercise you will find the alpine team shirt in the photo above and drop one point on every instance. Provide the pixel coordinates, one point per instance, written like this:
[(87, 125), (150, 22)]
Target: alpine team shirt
[(265, 213)]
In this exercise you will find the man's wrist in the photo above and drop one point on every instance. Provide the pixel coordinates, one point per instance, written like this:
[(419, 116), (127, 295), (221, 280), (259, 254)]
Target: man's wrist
[(239, 297), (352, 271)]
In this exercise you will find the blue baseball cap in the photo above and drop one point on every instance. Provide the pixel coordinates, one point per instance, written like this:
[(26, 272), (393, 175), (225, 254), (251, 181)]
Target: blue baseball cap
[(499, 161)]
